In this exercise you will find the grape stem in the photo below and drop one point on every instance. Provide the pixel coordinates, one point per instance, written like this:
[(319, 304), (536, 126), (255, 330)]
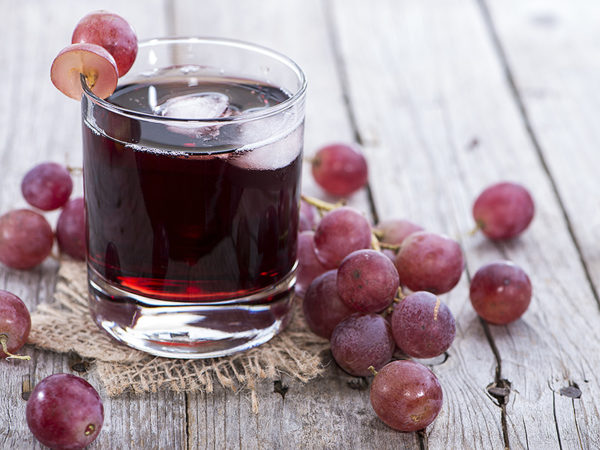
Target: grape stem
[(320, 204), (4, 343), (399, 295), (392, 247), (75, 170), (478, 226), (373, 371), (375, 242)]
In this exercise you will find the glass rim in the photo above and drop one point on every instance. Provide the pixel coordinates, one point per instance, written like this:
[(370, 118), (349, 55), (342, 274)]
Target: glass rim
[(254, 115)]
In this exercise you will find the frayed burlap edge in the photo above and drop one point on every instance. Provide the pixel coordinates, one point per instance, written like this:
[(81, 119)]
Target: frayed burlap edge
[(65, 326)]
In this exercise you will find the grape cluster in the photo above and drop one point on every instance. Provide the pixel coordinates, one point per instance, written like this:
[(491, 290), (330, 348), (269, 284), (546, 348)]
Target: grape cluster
[(352, 289), (352, 277), (26, 237)]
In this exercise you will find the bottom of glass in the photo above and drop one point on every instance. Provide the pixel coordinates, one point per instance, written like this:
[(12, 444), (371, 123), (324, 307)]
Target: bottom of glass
[(190, 330)]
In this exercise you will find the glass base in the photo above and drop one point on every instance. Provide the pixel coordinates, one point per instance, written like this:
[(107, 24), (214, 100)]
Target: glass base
[(190, 330)]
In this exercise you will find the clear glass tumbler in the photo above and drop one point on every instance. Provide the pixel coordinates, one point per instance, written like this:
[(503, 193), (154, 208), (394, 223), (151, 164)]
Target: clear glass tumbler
[(192, 187)]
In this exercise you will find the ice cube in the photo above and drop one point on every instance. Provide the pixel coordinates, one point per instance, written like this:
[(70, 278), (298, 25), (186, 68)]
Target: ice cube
[(272, 155), (203, 105)]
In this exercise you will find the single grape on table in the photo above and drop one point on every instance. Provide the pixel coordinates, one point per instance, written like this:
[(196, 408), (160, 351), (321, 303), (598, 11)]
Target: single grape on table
[(26, 239), (15, 324), (70, 229), (340, 169), (322, 306), (64, 412), (367, 281), (500, 292), (339, 233), (111, 32), (361, 341), (423, 326), (429, 262), (406, 395), (47, 186), (503, 210)]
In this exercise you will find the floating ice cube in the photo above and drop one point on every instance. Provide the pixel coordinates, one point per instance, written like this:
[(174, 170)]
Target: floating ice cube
[(277, 153), (204, 105)]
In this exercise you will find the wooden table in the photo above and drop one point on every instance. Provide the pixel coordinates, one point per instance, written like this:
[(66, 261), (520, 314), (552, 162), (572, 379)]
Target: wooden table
[(446, 97)]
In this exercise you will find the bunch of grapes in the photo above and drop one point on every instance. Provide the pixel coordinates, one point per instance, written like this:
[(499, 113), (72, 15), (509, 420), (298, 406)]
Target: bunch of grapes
[(26, 237), (352, 276)]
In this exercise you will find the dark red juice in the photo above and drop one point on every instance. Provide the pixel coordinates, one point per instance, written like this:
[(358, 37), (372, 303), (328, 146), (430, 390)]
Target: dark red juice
[(185, 213)]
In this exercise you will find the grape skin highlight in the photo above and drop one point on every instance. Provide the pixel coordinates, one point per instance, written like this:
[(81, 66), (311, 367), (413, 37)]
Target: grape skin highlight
[(429, 262), (423, 326), (47, 186), (340, 169), (361, 341), (25, 239), (503, 210), (15, 322), (111, 32), (339, 233), (500, 292), (406, 395), (367, 281), (64, 412)]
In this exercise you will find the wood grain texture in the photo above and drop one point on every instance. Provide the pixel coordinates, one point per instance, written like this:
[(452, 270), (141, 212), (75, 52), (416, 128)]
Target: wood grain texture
[(38, 123), (326, 413), (444, 123), (550, 53)]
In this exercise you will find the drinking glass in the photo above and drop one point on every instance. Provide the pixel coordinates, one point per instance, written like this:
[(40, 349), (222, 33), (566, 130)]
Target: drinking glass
[(192, 187)]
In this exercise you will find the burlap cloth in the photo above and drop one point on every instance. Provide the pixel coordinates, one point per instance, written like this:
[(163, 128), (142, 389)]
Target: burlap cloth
[(65, 326)]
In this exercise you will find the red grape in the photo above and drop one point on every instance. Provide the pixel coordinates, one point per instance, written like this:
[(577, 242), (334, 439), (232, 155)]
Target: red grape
[(361, 341), (500, 292), (64, 412), (406, 395), (308, 216), (340, 169), (309, 267), (15, 322), (70, 229), (367, 281), (25, 239), (503, 210), (339, 233), (394, 231), (429, 262), (113, 33), (322, 306), (47, 186), (423, 326), (94, 62)]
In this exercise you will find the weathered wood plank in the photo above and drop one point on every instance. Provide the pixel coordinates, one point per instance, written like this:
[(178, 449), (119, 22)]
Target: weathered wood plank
[(550, 52), (437, 111), (326, 412), (37, 123)]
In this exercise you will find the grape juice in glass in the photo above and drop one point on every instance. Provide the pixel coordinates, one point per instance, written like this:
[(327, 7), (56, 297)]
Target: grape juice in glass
[(192, 183)]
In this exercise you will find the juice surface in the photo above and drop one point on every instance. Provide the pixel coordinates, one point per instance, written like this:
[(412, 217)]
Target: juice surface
[(199, 224)]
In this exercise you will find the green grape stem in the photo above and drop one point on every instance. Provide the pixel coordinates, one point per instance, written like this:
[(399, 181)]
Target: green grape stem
[(4, 343)]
